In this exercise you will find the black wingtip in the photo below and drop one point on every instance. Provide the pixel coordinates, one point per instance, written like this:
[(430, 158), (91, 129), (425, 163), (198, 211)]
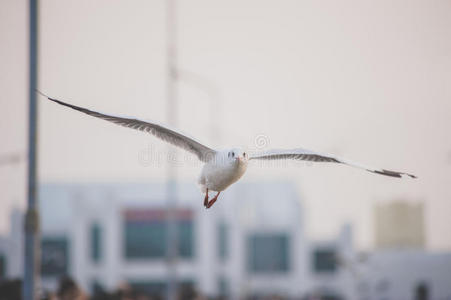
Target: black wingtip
[(392, 173)]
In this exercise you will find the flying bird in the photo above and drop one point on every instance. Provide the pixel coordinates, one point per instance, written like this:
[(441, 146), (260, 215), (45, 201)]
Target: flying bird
[(221, 167)]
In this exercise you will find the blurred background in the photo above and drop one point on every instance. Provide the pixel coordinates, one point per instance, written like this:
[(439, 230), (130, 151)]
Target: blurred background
[(363, 80)]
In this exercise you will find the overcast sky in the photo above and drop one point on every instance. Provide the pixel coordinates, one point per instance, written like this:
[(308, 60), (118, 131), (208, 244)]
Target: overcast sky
[(366, 80)]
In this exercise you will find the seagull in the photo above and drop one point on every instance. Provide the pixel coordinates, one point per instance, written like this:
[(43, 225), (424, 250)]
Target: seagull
[(221, 168)]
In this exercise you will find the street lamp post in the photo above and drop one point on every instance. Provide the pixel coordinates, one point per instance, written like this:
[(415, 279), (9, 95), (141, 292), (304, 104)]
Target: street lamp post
[(31, 224)]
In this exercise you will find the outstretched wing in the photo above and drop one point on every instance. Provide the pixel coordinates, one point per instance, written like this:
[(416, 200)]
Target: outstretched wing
[(170, 136), (307, 155)]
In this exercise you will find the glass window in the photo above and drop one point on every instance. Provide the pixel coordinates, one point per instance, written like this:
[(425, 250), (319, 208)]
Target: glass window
[(324, 260), (422, 291), (144, 239), (185, 240), (2, 266), (267, 253), (145, 235), (54, 256), (96, 242), (222, 241)]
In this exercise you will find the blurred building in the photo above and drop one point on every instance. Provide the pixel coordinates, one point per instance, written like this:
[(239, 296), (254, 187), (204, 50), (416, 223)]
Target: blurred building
[(328, 277), (399, 224), (11, 254), (404, 274), (251, 243)]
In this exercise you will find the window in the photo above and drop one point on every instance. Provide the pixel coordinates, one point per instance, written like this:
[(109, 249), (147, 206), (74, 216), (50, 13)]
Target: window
[(185, 238), (2, 266), (222, 241), (145, 239), (54, 256), (324, 260), (267, 253), (96, 242), (146, 234), (422, 291)]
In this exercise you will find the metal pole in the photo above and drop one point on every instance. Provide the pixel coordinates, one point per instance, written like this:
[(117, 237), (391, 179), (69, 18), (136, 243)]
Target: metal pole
[(172, 241), (31, 223)]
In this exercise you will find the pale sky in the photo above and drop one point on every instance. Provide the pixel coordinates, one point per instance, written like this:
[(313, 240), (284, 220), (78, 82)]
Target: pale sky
[(366, 80)]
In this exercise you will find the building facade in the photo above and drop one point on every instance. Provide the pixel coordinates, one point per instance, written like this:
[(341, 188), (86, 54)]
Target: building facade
[(107, 234), (252, 243)]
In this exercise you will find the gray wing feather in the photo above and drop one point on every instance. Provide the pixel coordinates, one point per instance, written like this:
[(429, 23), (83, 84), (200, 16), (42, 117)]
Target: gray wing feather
[(170, 136), (307, 155)]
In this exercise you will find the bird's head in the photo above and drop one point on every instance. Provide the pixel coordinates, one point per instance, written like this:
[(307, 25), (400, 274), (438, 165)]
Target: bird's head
[(237, 156)]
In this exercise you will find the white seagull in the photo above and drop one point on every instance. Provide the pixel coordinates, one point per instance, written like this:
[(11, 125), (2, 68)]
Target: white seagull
[(221, 168)]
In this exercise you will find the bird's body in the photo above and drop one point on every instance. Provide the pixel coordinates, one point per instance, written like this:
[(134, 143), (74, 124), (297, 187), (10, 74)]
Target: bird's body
[(221, 168)]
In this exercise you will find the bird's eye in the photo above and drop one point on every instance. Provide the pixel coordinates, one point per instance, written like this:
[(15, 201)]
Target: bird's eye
[(233, 154), (244, 154)]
